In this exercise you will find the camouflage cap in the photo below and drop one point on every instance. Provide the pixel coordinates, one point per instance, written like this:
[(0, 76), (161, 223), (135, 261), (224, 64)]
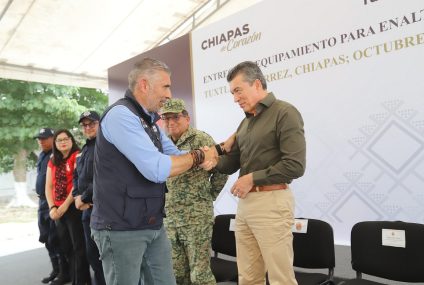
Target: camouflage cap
[(173, 106)]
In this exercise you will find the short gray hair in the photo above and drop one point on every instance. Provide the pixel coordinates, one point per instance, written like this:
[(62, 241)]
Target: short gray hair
[(250, 72), (147, 66)]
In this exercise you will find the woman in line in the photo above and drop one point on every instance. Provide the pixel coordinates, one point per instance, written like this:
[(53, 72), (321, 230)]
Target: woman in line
[(62, 208)]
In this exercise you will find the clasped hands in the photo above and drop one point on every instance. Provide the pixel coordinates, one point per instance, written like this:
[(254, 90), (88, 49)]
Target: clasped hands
[(80, 205), (211, 154), (57, 212), (244, 184), (211, 158)]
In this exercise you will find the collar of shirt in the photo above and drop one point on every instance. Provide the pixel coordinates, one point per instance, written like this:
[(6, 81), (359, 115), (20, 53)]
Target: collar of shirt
[(90, 141), (263, 104), (186, 135), (47, 152), (153, 116)]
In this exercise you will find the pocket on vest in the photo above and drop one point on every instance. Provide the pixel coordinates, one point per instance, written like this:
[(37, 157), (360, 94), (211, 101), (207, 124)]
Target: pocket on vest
[(141, 204)]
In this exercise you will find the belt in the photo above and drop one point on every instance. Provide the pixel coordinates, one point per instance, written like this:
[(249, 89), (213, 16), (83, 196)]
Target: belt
[(269, 187)]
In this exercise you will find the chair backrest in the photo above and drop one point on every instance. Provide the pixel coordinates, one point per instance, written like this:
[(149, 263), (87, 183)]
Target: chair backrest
[(315, 248), (371, 257), (223, 240)]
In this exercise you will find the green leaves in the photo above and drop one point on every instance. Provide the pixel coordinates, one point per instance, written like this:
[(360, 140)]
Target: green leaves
[(25, 107)]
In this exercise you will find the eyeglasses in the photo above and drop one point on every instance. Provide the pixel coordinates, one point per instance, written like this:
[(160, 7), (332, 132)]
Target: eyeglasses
[(174, 117), (89, 125), (63, 140)]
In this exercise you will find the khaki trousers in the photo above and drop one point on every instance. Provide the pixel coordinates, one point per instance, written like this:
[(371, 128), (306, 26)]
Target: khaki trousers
[(264, 238)]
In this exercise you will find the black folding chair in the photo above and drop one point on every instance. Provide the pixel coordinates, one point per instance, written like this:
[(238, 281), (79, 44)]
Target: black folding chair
[(223, 242), (314, 249), (398, 263)]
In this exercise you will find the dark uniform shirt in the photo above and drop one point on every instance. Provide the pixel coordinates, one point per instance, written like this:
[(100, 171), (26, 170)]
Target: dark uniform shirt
[(271, 145), (83, 175), (40, 184), (46, 225)]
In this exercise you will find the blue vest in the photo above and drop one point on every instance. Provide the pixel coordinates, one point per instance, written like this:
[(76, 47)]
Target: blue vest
[(123, 198)]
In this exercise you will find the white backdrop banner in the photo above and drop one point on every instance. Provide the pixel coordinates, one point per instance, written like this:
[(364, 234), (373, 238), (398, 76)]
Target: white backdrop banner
[(355, 71)]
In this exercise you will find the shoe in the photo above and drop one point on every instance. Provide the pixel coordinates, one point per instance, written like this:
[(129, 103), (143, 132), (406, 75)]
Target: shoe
[(49, 278), (63, 277), (54, 273), (60, 280)]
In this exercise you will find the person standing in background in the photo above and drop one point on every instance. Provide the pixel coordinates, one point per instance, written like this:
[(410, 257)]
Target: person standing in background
[(83, 189), (189, 202), (46, 225), (59, 187)]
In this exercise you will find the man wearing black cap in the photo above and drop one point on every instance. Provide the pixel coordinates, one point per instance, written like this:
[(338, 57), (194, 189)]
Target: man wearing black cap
[(83, 189), (47, 227)]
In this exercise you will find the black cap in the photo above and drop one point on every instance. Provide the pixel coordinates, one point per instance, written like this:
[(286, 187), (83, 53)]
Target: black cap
[(91, 115), (44, 133)]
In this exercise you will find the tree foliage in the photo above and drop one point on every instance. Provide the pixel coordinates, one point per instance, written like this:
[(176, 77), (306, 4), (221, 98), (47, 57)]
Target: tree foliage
[(25, 107)]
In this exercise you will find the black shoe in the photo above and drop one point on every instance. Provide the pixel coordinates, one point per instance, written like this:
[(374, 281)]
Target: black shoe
[(63, 277), (60, 280), (49, 278)]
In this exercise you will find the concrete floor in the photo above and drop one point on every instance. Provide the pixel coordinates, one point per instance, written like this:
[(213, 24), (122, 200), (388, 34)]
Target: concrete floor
[(30, 266), (24, 268)]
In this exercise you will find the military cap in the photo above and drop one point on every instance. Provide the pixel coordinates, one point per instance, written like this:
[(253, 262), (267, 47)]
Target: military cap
[(173, 106)]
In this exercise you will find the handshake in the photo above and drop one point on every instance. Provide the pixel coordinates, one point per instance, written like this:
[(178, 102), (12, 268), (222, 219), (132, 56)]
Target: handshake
[(207, 157)]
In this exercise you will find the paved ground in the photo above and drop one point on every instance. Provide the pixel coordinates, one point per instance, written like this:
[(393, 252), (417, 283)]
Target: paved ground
[(23, 260), (24, 268), (18, 228), (30, 267)]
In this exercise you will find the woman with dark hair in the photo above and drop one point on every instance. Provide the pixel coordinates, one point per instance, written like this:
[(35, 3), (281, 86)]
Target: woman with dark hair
[(62, 209)]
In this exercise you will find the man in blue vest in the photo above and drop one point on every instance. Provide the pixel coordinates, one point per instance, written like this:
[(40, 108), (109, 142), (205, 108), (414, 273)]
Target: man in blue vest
[(132, 160)]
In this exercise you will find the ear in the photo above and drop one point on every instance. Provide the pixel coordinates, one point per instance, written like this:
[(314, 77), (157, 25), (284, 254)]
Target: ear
[(258, 84), (143, 85)]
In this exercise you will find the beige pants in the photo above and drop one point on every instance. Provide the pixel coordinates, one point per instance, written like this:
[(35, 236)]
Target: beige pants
[(264, 238)]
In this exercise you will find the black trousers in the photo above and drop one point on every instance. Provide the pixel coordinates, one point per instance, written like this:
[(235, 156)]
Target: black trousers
[(47, 227), (71, 238), (92, 250)]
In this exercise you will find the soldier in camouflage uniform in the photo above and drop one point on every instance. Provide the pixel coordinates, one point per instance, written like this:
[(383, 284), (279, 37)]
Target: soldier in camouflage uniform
[(189, 203)]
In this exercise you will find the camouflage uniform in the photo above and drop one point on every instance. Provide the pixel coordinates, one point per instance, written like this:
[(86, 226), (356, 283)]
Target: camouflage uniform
[(189, 206)]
